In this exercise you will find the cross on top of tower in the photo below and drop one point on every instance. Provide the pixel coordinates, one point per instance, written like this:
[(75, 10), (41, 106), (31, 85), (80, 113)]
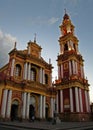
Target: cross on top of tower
[(35, 38), (66, 16), (65, 10), (15, 45)]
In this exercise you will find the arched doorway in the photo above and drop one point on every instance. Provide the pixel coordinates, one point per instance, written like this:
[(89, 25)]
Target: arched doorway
[(31, 112), (14, 110), (32, 108), (47, 111)]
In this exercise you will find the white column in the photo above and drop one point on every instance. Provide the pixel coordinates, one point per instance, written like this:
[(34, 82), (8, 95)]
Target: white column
[(68, 44), (58, 72), (52, 105), (44, 103), (57, 102), (86, 99), (70, 71), (29, 69), (71, 100), (27, 107), (24, 106), (9, 103), (61, 100), (61, 70), (73, 63), (62, 48), (43, 71), (40, 54), (51, 79), (25, 72), (76, 68), (29, 49), (77, 99), (40, 75), (41, 106), (81, 71), (12, 67), (81, 105), (71, 43), (77, 49), (4, 101)]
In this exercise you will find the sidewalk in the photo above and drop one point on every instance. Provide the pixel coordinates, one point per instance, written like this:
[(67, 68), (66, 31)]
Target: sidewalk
[(44, 125)]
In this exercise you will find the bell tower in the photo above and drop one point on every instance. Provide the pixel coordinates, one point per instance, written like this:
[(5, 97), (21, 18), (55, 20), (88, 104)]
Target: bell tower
[(73, 101)]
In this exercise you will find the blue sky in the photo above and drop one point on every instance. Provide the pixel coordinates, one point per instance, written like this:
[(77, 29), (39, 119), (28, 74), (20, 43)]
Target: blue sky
[(21, 19)]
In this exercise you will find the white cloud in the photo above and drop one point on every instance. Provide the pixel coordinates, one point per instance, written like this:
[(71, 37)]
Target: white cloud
[(1, 34), (53, 20), (9, 39), (43, 21), (6, 44)]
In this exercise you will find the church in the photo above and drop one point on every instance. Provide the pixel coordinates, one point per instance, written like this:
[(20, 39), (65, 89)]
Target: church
[(27, 89), (26, 85)]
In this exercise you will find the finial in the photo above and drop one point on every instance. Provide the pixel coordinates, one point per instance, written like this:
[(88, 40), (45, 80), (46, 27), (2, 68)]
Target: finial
[(49, 61), (66, 16), (65, 10), (35, 38), (15, 45)]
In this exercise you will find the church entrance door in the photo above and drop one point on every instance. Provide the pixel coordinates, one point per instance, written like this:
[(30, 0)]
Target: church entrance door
[(32, 112), (14, 110)]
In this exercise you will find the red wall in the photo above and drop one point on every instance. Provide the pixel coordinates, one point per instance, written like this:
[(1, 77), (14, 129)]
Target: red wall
[(74, 102), (83, 100), (66, 100)]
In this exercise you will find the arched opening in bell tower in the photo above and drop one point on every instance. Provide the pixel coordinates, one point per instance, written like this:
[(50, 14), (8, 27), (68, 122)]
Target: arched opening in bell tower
[(66, 47)]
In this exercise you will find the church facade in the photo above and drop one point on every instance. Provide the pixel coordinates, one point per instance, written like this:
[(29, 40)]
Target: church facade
[(26, 85), (73, 102), (26, 88)]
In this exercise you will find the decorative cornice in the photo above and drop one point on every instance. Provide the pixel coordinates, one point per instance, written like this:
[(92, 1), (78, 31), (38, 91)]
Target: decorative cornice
[(73, 81), (67, 37), (69, 54)]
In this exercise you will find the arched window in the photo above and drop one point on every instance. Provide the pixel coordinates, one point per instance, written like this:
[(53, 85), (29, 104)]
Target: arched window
[(18, 70), (33, 74), (74, 47), (46, 79), (66, 47)]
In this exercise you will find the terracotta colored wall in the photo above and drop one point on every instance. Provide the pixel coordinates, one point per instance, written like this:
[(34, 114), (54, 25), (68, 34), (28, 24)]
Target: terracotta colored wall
[(66, 100), (83, 100), (74, 102)]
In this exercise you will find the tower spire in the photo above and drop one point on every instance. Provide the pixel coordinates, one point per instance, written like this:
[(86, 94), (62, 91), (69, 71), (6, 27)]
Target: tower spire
[(15, 45), (65, 10), (35, 38)]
